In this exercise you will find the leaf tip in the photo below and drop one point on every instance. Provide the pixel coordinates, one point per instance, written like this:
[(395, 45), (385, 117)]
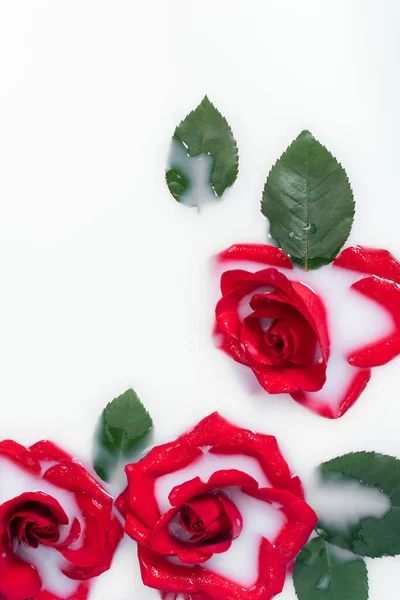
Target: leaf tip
[(206, 100), (306, 134)]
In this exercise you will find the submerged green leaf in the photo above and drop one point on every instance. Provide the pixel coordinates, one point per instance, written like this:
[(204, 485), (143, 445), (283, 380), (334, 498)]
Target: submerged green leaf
[(123, 423), (321, 573), (177, 182), (370, 536), (309, 203), (203, 132)]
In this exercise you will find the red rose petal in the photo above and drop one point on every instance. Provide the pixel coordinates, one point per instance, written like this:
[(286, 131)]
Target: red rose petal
[(163, 575), (220, 479), (209, 431), (92, 547), (136, 530), (264, 448), (355, 388), (20, 455), (310, 379), (301, 520), (45, 450), (122, 503), (232, 347), (73, 477), (143, 505), (304, 318), (161, 539), (373, 261), (162, 542), (274, 380), (17, 503), (234, 278), (113, 537), (296, 487), (73, 535), (141, 475), (315, 312), (303, 336), (226, 311), (82, 593), (261, 253), (18, 579), (387, 294), (42, 514), (233, 514)]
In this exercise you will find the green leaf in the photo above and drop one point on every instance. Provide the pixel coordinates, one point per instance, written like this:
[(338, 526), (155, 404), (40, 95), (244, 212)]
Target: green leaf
[(177, 182), (203, 132), (320, 573), (370, 536), (123, 424), (309, 203)]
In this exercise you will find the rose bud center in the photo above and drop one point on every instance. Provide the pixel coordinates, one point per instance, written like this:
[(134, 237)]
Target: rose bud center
[(279, 340), (210, 518), (34, 524)]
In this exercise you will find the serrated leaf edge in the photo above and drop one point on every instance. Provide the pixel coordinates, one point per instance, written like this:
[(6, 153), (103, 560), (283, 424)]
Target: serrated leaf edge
[(205, 101), (359, 559), (364, 452), (306, 131)]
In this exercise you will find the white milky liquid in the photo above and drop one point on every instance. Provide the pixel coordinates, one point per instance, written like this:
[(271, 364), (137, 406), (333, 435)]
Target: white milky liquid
[(260, 519), (197, 169), (342, 503), (15, 481), (353, 320)]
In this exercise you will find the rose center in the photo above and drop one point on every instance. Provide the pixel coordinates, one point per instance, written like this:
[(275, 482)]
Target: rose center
[(33, 523), (275, 341), (210, 518)]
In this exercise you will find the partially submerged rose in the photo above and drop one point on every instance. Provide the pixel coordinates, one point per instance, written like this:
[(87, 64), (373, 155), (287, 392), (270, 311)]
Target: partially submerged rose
[(316, 334), (57, 527), (217, 514)]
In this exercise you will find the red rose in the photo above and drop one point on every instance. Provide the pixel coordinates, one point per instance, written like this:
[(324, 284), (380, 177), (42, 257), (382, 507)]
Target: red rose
[(57, 528), (216, 514), (315, 334)]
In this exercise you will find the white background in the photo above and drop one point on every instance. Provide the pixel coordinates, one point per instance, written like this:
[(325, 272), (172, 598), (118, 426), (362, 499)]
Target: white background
[(105, 280)]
